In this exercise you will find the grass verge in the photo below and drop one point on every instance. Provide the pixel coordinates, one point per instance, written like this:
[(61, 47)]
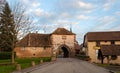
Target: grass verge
[(118, 72), (24, 62), (111, 67)]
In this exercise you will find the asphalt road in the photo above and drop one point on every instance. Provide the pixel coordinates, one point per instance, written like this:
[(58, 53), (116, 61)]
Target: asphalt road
[(70, 65)]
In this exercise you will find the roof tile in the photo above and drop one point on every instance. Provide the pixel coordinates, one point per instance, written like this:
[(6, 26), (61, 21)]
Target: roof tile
[(110, 49), (103, 36)]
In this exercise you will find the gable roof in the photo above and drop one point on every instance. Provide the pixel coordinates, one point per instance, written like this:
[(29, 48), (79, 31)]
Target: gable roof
[(110, 49), (35, 40), (103, 36), (62, 31)]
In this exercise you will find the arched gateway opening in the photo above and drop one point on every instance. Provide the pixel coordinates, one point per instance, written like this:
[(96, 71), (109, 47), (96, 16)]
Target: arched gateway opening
[(63, 52)]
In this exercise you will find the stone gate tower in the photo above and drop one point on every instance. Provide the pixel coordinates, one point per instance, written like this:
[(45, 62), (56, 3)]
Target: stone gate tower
[(63, 40)]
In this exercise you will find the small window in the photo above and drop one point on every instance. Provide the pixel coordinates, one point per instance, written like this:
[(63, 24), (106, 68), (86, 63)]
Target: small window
[(44, 48), (34, 54), (112, 42), (105, 41), (113, 57), (97, 43)]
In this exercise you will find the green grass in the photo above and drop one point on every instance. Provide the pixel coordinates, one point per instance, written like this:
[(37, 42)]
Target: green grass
[(83, 57), (102, 65), (118, 72), (110, 67), (7, 69), (24, 62), (5, 61)]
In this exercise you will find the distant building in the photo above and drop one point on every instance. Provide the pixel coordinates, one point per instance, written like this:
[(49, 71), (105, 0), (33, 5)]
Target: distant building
[(103, 47), (77, 48), (60, 42)]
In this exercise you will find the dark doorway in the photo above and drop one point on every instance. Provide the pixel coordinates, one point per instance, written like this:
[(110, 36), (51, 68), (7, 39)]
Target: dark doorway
[(65, 52), (100, 56)]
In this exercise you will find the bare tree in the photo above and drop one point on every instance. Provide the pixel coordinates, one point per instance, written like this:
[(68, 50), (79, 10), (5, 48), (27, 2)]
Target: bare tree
[(24, 23)]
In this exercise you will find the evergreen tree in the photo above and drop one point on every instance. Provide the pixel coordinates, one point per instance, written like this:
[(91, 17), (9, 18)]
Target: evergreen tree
[(7, 29), (12, 22)]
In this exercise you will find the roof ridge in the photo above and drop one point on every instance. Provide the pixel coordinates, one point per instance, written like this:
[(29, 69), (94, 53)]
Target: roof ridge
[(103, 31), (104, 36), (62, 31)]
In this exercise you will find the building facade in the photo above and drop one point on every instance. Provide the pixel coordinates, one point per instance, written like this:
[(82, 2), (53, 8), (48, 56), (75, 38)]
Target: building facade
[(103, 47), (60, 42)]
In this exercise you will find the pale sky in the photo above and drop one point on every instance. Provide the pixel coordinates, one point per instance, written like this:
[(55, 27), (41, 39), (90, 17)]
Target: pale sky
[(82, 15)]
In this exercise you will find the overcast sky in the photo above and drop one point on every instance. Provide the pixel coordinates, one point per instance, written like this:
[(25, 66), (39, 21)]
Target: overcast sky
[(82, 15)]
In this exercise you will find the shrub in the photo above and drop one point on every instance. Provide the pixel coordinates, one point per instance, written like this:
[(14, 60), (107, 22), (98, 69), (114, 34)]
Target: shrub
[(113, 57), (82, 53), (46, 59), (5, 55), (83, 57)]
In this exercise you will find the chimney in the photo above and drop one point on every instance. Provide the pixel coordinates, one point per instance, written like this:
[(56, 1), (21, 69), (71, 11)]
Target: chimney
[(29, 39), (70, 29)]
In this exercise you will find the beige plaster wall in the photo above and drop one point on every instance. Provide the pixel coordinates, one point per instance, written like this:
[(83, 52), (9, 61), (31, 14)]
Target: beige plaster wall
[(91, 51), (105, 43), (93, 54), (117, 42)]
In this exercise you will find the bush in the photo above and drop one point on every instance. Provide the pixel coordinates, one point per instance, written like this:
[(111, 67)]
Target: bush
[(82, 53), (113, 57), (5, 55), (46, 59), (29, 60), (83, 57)]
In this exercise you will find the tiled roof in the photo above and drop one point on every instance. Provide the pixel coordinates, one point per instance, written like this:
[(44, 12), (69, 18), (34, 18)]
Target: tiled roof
[(35, 40), (103, 36), (110, 49), (62, 31), (77, 46)]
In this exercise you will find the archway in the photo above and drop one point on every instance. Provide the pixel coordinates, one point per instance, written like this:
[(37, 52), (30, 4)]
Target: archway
[(63, 52)]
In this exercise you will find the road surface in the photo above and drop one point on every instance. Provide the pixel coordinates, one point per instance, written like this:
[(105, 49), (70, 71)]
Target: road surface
[(70, 65)]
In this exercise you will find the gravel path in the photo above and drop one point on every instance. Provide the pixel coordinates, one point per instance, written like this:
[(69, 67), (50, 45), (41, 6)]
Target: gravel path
[(70, 65)]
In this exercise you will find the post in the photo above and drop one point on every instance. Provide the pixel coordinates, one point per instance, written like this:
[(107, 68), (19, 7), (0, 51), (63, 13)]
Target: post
[(33, 63), (41, 61), (54, 56), (18, 67)]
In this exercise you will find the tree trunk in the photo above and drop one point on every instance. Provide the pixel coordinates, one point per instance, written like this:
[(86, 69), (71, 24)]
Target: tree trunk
[(13, 46), (13, 59)]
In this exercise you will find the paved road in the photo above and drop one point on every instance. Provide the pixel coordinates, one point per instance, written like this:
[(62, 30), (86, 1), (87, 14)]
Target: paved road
[(70, 65)]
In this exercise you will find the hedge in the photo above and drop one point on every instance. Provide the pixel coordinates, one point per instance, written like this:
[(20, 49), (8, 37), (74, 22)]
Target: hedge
[(82, 57), (5, 55)]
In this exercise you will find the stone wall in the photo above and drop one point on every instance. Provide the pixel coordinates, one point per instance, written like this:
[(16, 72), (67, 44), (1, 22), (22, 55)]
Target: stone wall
[(33, 52), (68, 40)]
